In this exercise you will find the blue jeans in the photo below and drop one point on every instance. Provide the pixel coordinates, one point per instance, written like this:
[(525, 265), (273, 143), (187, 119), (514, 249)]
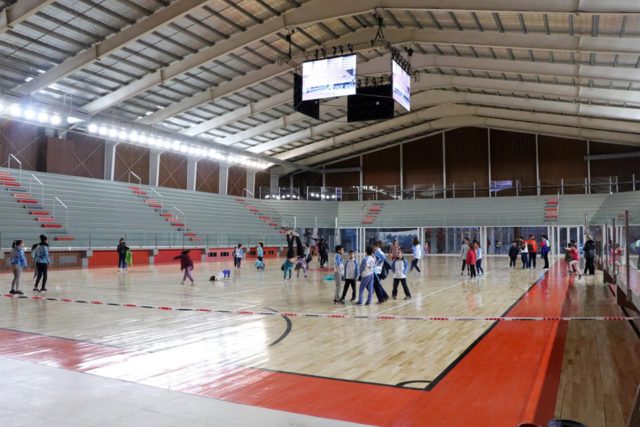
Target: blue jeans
[(366, 283)]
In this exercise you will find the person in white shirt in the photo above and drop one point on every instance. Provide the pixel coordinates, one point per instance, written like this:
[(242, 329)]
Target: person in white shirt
[(367, 268), (524, 252), (350, 277), (400, 267), (478, 249), (417, 255)]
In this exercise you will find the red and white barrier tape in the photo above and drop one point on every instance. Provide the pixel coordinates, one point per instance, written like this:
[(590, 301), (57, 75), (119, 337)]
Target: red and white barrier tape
[(291, 314)]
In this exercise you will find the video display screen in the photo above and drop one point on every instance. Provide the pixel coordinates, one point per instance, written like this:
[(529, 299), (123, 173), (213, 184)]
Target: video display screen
[(328, 78), (401, 86)]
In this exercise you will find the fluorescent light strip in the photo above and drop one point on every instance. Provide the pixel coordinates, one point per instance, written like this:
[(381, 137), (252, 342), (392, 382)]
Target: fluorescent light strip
[(29, 114), (119, 133)]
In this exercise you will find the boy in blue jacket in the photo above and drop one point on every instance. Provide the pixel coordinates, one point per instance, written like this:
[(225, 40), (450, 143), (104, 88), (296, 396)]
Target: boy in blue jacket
[(350, 277), (400, 267), (18, 264)]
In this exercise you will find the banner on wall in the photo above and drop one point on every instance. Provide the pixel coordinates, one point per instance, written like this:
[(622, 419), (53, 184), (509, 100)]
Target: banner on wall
[(496, 186)]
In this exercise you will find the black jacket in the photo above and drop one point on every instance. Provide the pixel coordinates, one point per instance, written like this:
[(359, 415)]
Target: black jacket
[(513, 252)]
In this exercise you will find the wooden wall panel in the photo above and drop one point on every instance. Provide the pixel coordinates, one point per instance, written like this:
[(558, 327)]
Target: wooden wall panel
[(237, 181), (382, 167), (513, 158), (307, 179), (25, 141), (208, 176), (263, 180), (131, 158), (79, 155), (343, 179), (467, 159), (422, 162), (622, 168), (173, 171), (562, 158)]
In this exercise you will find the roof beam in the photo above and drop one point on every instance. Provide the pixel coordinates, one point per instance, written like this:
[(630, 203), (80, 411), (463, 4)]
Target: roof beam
[(241, 113), (316, 10), (110, 45), (432, 81), (444, 99), (20, 11)]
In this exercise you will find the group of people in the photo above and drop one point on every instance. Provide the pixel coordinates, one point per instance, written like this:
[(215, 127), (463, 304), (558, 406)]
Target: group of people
[(18, 261), (471, 256), (372, 271), (528, 250)]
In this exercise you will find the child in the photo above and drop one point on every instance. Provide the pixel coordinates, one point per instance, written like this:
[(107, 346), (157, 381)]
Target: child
[(338, 272), (128, 259), (524, 252), (186, 265), (238, 253), (366, 276), (545, 247), (513, 254), (301, 264), (260, 253), (574, 260), (41, 257), (18, 263), (287, 267), (417, 255), (478, 250), (400, 267), (471, 261), (350, 276)]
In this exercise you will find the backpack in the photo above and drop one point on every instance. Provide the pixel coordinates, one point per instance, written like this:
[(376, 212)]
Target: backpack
[(384, 272)]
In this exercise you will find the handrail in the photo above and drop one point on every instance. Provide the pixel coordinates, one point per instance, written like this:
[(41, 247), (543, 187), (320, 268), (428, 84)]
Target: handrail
[(11, 156), (41, 184), (161, 198), (135, 176), (53, 211), (246, 190), (184, 216)]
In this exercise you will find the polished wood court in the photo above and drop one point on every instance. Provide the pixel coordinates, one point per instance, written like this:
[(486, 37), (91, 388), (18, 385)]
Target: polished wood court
[(384, 372)]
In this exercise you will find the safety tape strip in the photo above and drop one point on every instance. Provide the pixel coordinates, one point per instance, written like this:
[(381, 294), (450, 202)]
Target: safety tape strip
[(291, 314)]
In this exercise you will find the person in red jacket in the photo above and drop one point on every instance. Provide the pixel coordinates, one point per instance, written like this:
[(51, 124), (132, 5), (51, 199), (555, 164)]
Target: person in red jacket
[(532, 246), (186, 265), (471, 260)]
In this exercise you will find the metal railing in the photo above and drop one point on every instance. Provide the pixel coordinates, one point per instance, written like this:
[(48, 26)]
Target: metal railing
[(271, 211), (505, 188), (15, 159), (35, 178), (160, 196), (131, 173), (53, 211)]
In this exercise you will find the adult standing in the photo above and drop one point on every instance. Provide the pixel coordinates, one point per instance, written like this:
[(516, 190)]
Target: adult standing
[(41, 257), (545, 248), (463, 254), (532, 246), (589, 256), (323, 248), (122, 255)]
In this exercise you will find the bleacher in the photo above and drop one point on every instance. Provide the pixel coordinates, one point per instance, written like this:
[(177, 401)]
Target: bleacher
[(101, 211)]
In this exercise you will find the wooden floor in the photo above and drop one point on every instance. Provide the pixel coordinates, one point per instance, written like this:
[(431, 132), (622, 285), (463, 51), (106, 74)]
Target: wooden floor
[(378, 372)]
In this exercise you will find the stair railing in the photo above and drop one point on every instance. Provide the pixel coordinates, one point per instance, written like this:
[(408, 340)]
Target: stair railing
[(132, 173), (15, 159), (157, 193), (53, 211), (284, 223), (35, 178)]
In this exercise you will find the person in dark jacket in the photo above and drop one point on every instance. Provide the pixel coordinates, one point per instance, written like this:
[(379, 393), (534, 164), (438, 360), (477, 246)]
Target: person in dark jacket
[(513, 254), (41, 257), (122, 255), (589, 256), (186, 265)]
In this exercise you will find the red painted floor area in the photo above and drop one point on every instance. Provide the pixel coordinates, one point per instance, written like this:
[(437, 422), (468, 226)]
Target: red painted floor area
[(510, 376)]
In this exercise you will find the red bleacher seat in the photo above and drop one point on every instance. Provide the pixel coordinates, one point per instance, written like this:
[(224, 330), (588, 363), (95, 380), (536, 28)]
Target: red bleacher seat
[(51, 225), (64, 238)]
